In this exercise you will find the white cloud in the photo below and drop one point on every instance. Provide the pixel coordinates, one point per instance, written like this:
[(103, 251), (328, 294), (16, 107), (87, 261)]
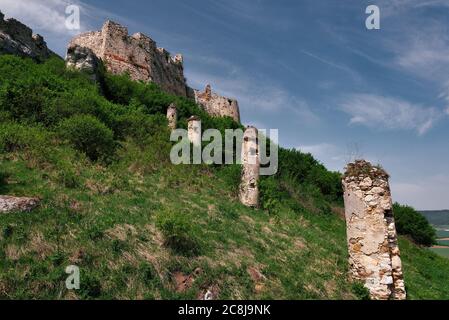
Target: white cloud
[(430, 193), (254, 94), (46, 15), (377, 111)]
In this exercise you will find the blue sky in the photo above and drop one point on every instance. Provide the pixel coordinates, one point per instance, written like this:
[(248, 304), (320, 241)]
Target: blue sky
[(310, 69)]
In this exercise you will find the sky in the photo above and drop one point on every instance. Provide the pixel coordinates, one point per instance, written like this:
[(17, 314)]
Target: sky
[(308, 68)]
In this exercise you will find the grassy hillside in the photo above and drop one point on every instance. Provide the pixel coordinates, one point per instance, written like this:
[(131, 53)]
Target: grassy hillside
[(140, 227)]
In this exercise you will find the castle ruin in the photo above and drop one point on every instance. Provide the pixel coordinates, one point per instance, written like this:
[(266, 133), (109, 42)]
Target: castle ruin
[(374, 256), (249, 185), (139, 56), (172, 116), (216, 105)]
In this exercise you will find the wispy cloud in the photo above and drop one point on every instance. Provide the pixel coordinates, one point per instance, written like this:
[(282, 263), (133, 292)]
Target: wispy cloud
[(255, 94), (429, 193), (377, 111)]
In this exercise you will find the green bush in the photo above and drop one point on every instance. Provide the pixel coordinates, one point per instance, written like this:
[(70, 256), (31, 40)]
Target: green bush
[(17, 137), (88, 135), (178, 231), (411, 223)]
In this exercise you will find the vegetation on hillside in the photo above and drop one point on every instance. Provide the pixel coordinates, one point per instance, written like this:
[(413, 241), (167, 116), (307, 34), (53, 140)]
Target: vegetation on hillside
[(140, 227), (411, 223)]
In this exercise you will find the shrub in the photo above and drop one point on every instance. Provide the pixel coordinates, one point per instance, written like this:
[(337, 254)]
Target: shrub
[(411, 223), (88, 135), (17, 137), (178, 231)]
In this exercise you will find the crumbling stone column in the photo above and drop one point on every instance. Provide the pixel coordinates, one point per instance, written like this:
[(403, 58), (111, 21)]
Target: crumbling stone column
[(249, 186), (172, 116), (374, 256), (194, 130)]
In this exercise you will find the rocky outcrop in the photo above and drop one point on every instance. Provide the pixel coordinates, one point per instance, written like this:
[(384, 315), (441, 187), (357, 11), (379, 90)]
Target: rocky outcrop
[(374, 256), (10, 204), (83, 59), (216, 105), (16, 38), (136, 55)]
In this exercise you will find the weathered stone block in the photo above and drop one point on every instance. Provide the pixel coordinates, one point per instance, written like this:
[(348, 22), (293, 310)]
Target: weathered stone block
[(374, 255), (249, 185)]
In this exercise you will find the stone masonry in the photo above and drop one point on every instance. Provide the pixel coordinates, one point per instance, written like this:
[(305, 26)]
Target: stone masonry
[(137, 55), (216, 105), (172, 116), (374, 256), (249, 185), (194, 130), (16, 38)]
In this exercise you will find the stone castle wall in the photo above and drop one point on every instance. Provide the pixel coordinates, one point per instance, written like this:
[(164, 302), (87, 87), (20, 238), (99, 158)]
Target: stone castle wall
[(216, 105), (374, 256), (16, 38), (137, 54)]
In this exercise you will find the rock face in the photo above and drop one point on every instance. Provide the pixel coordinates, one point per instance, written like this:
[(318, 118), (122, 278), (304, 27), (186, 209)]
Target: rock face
[(374, 256), (217, 106), (9, 204), (16, 38), (249, 186), (83, 59), (136, 55)]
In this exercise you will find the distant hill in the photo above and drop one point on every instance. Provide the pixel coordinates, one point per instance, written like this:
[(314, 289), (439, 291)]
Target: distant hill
[(437, 217)]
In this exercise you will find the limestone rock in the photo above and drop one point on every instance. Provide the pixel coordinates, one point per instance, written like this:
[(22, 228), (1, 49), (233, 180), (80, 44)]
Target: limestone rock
[(374, 255), (18, 39), (83, 59), (10, 203)]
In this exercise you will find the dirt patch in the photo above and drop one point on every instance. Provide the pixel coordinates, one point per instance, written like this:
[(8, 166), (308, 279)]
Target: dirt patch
[(184, 282)]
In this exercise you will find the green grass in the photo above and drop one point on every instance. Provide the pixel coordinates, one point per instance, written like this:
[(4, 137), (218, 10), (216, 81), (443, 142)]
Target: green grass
[(135, 224)]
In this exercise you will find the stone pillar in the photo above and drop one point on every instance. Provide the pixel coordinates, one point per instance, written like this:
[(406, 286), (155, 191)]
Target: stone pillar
[(374, 256), (194, 130), (172, 116), (249, 186)]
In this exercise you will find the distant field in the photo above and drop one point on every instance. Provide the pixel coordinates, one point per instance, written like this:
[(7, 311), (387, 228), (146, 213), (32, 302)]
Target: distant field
[(441, 251), (443, 242), (442, 233)]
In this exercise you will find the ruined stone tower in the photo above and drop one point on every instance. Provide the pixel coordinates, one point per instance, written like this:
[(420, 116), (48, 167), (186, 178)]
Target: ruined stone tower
[(194, 130), (137, 55), (374, 256), (172, 116), (249, 185), (216, 105)]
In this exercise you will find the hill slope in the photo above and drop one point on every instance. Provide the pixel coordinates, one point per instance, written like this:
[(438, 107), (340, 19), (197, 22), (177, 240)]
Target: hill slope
[(140, 227)]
